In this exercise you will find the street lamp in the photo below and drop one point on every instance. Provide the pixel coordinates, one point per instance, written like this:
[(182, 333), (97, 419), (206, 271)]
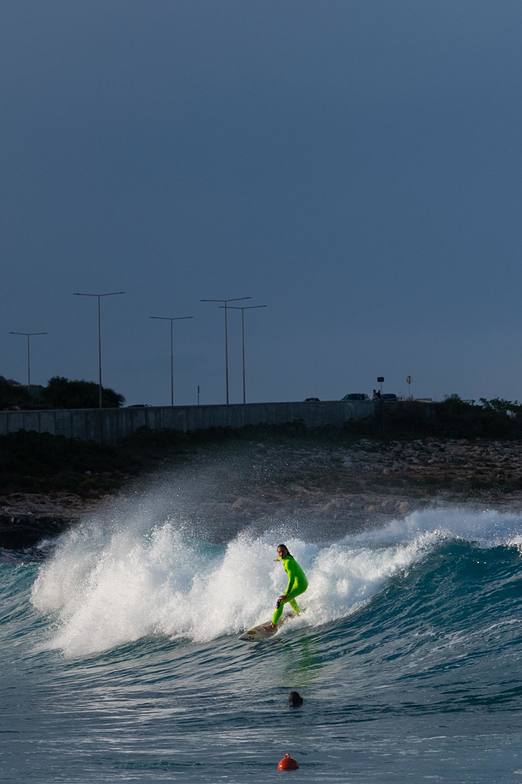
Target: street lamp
[(224, 304), (99, 296), (28, 335), (242, 309), (171, 319)]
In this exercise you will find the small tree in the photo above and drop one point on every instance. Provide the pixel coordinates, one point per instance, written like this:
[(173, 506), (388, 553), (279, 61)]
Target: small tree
[(13, 394), (64, 393)]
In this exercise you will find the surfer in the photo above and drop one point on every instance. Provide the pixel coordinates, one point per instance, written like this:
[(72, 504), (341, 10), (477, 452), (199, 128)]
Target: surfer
[(297, 583)]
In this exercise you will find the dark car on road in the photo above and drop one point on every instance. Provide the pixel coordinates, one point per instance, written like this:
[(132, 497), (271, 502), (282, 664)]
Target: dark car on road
[(356, 396)]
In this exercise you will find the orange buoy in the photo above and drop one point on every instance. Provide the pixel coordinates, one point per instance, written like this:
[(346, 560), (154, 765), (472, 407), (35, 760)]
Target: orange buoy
[(287, 763)]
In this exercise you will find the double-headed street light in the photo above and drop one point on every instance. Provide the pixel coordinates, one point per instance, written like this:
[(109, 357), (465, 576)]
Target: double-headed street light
[(242, 309), (171, 319), (224, 305), (28, 335), (99, 296)]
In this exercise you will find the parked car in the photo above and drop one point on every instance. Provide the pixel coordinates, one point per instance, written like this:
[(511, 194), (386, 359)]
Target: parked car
[(311, 400), (356, 396), (389, 396)]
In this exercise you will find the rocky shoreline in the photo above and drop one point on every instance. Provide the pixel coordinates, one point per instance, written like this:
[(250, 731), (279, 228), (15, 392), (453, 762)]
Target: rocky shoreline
[(366, 480), (27, 518)]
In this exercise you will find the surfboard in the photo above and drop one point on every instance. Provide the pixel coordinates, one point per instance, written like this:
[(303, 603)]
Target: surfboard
[(258, 633), (265, 630)]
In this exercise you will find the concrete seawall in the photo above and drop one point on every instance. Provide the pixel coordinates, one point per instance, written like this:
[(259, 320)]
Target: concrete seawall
[(113, 424)]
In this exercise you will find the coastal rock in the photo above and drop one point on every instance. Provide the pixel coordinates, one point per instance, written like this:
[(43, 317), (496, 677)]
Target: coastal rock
[(363, 482)]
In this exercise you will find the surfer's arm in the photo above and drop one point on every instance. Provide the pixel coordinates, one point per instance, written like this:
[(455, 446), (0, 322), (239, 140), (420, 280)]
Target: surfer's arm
[(284, 596)]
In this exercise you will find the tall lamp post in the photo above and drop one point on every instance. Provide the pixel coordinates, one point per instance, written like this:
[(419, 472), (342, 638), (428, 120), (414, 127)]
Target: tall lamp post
[(224, 305), (171, 319), (99, 296), (242, 309), (28, 335)]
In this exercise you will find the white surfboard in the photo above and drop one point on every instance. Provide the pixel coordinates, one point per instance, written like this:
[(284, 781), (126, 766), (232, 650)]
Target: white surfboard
[(258, 633), (264, 630)]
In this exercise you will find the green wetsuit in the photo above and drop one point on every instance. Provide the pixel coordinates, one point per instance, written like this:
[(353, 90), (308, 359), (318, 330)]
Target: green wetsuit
[(297, 584)]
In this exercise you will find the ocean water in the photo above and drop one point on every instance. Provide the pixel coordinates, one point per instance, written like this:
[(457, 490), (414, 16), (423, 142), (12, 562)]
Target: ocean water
[(120, 659)]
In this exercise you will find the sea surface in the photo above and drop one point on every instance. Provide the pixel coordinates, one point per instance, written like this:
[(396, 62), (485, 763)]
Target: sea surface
[(120, 659)]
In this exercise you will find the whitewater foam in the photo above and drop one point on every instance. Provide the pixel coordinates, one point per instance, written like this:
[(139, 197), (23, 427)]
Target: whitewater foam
[(484, 527), (107, 585)]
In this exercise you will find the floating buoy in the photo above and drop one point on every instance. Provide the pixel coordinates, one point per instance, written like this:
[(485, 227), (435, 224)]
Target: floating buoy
[(287, 763)]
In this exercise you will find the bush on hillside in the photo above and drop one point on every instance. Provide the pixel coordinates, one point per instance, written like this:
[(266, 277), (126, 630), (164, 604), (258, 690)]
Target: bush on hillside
[(13, 394), (61, 392)]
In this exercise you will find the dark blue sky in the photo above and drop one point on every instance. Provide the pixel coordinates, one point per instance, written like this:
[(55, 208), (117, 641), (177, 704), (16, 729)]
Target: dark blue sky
[(354, 165)]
